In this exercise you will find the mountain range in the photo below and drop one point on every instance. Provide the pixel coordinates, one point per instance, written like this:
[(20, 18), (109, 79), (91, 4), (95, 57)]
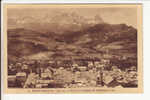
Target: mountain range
[(59, 23), (92, 41), (67, 36)]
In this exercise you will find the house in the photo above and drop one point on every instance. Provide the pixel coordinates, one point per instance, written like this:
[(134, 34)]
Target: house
[(82, 68), (81, 81), (100, 66), (116, 69), (132, 68), (105, 61), (108, 79), (21, 74), (46, 75), (51, 61), (21, 77), (41, 81), (38, 85), (75, 65), (90, 64), (11, 81), (10, 66), (11, 78), (41, 85), (24, 67)]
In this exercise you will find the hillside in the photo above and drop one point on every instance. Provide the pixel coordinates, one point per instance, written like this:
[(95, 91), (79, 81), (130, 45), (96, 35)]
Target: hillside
[(93, 41)]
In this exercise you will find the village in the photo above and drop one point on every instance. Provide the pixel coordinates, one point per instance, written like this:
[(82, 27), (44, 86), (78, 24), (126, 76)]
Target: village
[(72, 73)]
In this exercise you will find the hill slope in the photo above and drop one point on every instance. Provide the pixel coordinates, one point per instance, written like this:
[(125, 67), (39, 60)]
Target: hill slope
[(92, 41)]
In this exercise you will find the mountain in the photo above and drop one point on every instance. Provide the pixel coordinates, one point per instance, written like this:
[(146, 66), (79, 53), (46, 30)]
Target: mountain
[(93, 41), (23, 42), (59, 23)]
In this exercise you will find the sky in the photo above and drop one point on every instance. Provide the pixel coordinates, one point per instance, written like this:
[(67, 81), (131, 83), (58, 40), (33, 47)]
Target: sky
[(110, 14)]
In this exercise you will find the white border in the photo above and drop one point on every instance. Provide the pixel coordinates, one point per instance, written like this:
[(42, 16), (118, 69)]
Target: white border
[(73, 1), (146, 40)]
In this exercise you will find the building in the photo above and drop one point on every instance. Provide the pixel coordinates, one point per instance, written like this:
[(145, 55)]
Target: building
[(82, 68)]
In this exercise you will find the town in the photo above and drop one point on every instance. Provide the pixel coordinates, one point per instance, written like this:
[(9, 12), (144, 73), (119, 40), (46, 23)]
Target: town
[(73, 73)]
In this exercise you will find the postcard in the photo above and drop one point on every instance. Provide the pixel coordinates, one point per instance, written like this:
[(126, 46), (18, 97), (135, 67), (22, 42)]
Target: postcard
[(72, 48)]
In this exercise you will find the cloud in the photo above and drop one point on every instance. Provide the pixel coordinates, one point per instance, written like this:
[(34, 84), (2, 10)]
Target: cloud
[(112, 15)]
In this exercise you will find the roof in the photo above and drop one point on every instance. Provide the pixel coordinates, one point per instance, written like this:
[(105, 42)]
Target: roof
[(21, 74)]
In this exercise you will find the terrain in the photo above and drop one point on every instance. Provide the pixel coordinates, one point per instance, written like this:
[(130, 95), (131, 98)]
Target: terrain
[(102, 38), (73, 37)]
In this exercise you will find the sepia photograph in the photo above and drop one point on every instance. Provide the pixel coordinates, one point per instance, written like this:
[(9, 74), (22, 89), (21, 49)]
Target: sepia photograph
[(73, 48)]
